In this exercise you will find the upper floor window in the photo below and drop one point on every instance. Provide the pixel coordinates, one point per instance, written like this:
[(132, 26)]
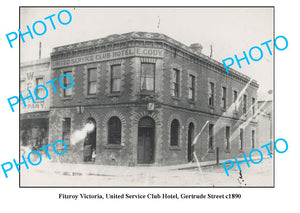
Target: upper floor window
[(92, 81), (114, 130), (40, 91), (191, 85), (253, 106), (224, 94), (147, 76), (115, 76), (175, 83), (67, 83), (174, 132), (235, 96), (244, 104), (211, 93)]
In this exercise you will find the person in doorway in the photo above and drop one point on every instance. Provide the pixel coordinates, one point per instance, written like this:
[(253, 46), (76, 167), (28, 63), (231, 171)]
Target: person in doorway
[(94, 155)]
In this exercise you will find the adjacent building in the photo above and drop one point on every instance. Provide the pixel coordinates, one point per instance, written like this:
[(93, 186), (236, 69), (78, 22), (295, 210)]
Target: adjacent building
[(153, 100), (34, 118)]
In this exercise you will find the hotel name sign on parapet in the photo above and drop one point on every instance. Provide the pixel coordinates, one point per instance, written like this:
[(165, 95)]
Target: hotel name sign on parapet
[(111, 55)]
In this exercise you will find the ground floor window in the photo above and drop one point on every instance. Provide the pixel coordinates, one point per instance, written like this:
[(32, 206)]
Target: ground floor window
[(114, 130), (174, 132)]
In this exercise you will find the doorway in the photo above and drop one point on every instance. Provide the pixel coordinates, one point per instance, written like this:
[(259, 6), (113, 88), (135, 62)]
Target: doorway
[(146, 143), (190, 148), (89, 145)]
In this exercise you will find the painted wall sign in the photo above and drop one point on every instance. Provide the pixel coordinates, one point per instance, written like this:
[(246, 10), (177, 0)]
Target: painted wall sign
[(117, 54)]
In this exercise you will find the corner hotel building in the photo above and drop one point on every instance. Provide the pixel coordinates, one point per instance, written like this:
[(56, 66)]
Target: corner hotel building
[(149, 96)]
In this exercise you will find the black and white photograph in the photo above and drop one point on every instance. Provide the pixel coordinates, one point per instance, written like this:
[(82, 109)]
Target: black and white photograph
[(147, 96)]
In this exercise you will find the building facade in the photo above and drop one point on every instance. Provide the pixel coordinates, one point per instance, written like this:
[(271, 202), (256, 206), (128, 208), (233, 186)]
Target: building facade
[(34, 118), (152, 100)]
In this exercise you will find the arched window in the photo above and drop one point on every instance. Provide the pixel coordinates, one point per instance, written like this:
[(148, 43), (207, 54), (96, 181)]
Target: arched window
[(114, 130), (174, 133)]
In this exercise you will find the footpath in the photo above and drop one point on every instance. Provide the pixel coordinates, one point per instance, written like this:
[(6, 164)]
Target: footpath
[(91, 169)]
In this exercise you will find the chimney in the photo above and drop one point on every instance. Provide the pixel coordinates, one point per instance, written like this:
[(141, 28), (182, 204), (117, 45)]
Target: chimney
[(196, 48)]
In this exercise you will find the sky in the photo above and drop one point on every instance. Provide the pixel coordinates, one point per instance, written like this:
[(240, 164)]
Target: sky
[(230, 31)]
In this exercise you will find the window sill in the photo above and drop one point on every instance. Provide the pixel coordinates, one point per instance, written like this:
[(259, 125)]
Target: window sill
[(91, 96), (115, 94), (191, 101), (227, 150), (147, 93), (241, 151), (211, 107), (175, 148), (175, 98), (113, 146), (66, 98), (211, 151)]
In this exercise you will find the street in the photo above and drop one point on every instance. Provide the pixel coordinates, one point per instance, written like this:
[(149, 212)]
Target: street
[(55, 174)]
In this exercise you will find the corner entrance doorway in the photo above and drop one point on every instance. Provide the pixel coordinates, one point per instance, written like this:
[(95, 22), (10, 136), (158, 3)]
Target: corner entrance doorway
[(146, 143)]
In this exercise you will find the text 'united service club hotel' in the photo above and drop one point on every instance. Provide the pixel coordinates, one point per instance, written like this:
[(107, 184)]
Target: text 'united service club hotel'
[(148, 97)]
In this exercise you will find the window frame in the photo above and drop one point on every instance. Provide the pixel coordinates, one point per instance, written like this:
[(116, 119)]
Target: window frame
[(112, 78), (224, 98), (111, 140), (211, 136), (227, 137), (176, 131), (141, 76), (66, 131), (65, 95), (89, 81), (192, 86), (244, 104), (211, 94), (175, 92)]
